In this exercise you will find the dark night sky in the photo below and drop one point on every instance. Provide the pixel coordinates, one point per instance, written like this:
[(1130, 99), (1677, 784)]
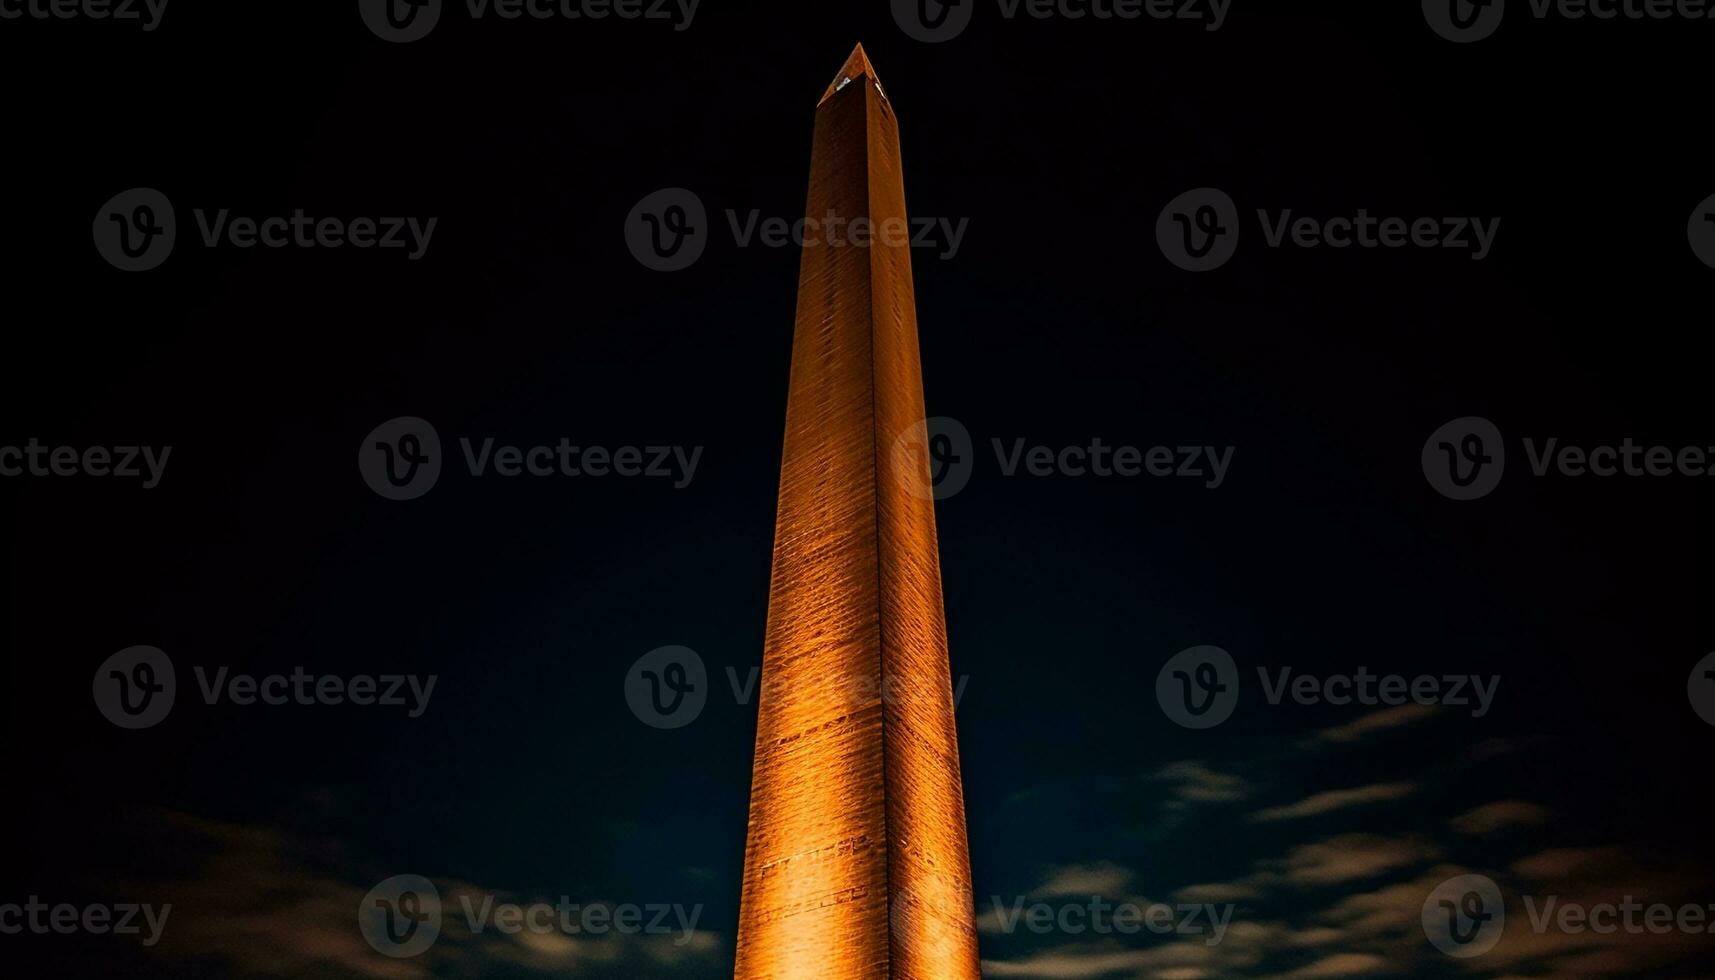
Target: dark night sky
[(1057, 321)]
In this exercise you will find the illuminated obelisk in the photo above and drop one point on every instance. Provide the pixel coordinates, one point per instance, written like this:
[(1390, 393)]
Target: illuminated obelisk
[(856, 864)]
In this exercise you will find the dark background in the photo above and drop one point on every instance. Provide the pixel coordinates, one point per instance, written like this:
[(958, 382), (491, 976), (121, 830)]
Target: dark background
[(1059, 320)]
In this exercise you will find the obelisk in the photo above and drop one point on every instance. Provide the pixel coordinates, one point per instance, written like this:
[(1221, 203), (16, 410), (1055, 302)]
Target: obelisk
[(856, 864)]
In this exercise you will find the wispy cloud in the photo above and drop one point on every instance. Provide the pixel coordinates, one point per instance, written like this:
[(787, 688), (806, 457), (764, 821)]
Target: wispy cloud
[(1391, 912), (1347, 857), (266, 903), (1217, 893), (1103, 878), (1239, 955), (1195, 782), (1339, 799), (1492, 818), (1341, 965), (1566, 863), (1372, 724), (1074, 963), (1350, 904)]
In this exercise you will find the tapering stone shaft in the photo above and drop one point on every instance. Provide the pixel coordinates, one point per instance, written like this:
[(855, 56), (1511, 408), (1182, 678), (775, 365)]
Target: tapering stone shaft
[(856, 864)]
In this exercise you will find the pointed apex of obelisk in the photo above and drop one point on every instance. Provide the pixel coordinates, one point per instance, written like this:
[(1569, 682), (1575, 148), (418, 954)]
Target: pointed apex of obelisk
[(857, 66)]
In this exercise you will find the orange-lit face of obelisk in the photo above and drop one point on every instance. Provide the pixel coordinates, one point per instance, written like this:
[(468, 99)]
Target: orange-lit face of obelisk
[(856, 864)]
